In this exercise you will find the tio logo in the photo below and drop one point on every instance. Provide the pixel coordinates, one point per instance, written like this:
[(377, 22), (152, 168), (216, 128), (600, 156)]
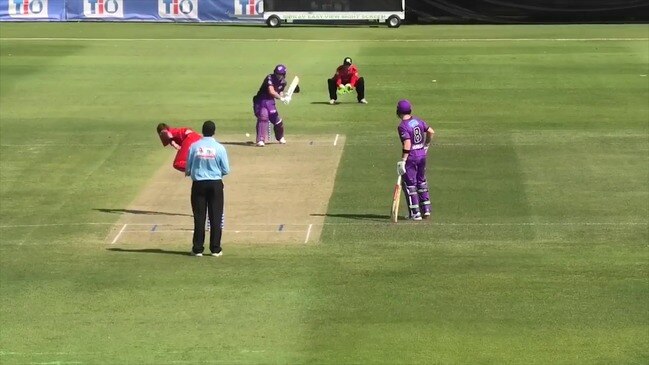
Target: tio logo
[(248, 7), (27, 8), (103, 8), (183, 9)]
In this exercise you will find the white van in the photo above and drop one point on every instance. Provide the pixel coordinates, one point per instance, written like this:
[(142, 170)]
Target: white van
[(389, 12)]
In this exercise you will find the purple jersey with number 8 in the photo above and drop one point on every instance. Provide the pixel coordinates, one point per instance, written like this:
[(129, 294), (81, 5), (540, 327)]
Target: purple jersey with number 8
[(414, 129)]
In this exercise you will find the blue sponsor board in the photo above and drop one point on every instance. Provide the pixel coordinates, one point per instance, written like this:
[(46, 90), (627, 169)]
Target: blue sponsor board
[(133, 10)]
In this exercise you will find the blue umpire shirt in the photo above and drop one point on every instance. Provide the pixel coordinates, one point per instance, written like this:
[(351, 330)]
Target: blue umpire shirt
[(207, 160)]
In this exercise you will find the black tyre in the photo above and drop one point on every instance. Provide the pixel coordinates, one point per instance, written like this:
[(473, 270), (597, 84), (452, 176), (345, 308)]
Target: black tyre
[(393, 21), (273, 21)]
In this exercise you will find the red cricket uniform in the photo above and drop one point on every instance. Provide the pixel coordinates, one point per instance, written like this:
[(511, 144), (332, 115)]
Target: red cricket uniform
[(184, 137), (346, 75), (177, 135)]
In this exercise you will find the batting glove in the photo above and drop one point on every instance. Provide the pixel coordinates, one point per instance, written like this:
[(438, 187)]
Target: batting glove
[(401, 167), (287, 99)]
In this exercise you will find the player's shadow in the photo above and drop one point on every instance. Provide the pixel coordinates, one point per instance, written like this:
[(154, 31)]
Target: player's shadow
[(364, 217), (245, 144), (149, 250), (135, 211), (339, 104)]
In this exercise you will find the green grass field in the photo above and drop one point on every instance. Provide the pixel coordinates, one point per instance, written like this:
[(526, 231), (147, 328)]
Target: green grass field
[(537, 253)]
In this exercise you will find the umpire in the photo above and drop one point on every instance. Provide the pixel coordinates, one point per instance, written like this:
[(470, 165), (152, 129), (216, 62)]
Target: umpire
[(206, 165)]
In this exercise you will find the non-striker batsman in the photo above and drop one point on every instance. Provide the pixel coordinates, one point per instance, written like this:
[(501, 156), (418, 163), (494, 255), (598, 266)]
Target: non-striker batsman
[(415, 135)]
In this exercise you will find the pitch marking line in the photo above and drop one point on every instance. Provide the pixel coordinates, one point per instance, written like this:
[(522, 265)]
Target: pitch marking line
[(336, 139), (323, 40), (308, 233), (373, 222), (119, 234), (323, 144), (191, 230)]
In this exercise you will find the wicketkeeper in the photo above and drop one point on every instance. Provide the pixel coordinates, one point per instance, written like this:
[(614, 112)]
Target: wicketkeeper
[(344, 81), (415, 135), (179, 138), (263, 105)]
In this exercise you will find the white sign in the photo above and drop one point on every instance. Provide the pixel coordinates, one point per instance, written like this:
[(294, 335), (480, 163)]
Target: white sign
[(178, 9), (27, 8), (103, 8)]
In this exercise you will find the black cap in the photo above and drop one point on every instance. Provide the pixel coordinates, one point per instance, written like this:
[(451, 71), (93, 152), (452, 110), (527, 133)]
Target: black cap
[(347, 61), (209, 128)]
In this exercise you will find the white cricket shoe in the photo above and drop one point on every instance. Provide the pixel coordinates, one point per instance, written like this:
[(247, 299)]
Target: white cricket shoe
[(217, 254), (282, 140), (416, 217), (196, 254), (332, 101), (426, 215), (260, 144), (363, 101)]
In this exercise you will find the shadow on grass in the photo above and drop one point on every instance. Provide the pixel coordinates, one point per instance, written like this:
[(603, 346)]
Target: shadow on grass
[(339, 103), (364, 217), (149, 250), (246, 144), (135, 211), (262, 24)]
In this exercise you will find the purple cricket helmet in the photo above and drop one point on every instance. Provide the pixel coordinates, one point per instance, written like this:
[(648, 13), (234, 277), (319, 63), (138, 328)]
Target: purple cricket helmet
[(404, 107), (280, 70)]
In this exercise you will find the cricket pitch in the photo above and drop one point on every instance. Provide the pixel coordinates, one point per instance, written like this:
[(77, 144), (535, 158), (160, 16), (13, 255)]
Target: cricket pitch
[(273, 194)]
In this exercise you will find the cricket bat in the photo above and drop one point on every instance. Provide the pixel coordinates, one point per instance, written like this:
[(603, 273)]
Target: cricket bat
[(394, 213), (291, 87)]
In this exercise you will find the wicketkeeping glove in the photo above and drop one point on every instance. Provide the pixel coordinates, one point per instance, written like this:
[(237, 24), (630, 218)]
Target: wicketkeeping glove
[(341, 89), (349, 88)]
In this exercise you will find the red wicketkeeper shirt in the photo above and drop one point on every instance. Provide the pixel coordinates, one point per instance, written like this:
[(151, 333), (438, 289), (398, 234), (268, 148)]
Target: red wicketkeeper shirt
[(346, 76)]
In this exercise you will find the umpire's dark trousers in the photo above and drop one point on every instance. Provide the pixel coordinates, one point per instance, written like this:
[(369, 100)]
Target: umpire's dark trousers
[(360, 89), (207, 195)]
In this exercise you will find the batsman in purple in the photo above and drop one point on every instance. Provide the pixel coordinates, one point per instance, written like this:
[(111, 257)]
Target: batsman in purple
[(415, 135), (263, 105)]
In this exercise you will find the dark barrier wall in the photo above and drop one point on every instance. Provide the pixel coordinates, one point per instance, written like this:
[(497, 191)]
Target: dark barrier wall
[(526, 11)]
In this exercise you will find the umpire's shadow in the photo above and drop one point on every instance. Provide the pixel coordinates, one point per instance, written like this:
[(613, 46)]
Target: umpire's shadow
[(364, 217), (149, 250), (136, 211)]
